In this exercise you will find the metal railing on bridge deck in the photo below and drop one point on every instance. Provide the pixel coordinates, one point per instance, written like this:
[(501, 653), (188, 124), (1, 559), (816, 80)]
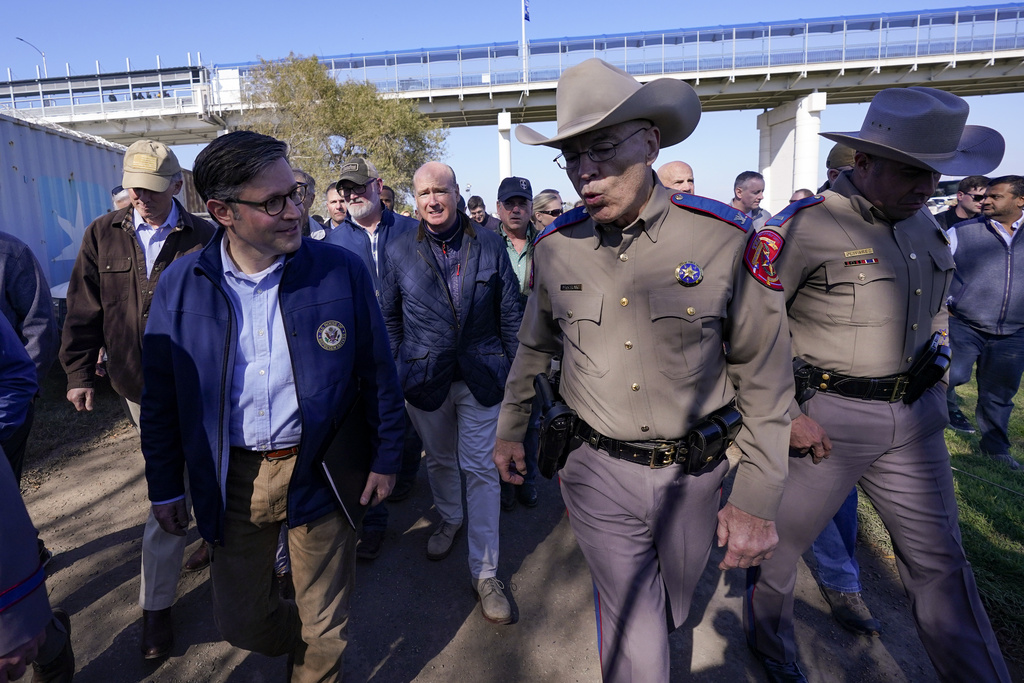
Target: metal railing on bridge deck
[(949, 33), (839, 40), (149, 90)]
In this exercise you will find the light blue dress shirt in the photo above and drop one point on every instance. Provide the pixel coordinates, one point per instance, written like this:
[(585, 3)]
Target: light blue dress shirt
[(264, 405), (151, 240)]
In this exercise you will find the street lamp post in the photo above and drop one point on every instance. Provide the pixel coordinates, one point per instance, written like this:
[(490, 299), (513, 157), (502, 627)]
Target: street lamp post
[(41, 53)]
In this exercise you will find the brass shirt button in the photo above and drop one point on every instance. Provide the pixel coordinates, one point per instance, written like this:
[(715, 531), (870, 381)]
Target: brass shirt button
[(635, 387), (629, 344), (917, 291), (823, 386), (910, 359), (691, 311), (825, 376), (568, 314), (861, 277), (645, 428), (624, 301), (623, 257), (914, 326)]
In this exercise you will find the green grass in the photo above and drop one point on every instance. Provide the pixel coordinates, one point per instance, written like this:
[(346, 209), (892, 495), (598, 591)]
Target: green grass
[(991, 523)]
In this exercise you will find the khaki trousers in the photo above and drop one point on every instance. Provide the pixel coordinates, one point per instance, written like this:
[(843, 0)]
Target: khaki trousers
[(248, 611)]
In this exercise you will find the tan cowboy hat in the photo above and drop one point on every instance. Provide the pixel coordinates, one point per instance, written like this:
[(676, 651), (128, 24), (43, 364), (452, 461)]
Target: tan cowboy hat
[(594, 94), (927, 128)]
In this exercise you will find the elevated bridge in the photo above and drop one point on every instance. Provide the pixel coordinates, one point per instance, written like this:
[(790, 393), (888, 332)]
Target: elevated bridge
[(789, 69)]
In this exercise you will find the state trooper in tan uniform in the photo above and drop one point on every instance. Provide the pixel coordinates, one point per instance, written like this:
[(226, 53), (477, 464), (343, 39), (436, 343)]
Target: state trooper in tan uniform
[(639, 291), (865, 269)]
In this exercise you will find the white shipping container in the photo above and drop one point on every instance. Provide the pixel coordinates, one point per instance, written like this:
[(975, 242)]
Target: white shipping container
[(53, 183)]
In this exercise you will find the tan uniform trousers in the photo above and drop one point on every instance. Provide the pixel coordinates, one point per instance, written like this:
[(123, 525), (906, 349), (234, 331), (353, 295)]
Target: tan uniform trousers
[(247, 608), (646, 535), (898, 454)]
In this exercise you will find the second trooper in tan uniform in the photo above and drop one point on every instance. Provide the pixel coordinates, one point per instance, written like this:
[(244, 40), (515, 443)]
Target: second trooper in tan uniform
[(865, 269), (640, 290)]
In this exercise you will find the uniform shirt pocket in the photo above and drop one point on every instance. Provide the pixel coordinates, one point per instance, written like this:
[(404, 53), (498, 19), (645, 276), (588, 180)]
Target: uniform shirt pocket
[(860, 295), (579, 316), (115, 278), (687, 327), (942, 277)]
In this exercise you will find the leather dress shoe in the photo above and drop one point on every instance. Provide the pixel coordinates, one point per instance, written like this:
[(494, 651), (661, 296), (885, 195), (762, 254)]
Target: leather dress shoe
[(780, 672), (851, 612), (527, 494), (200, 559), (157, 633), (62, 668)]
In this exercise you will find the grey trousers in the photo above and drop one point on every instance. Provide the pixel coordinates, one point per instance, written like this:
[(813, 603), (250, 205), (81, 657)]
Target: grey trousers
[(646, 535), (162, 553), (898, 454)]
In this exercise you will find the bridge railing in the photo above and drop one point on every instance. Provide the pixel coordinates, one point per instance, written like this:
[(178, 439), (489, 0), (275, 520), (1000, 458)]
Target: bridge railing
[(952, 32)]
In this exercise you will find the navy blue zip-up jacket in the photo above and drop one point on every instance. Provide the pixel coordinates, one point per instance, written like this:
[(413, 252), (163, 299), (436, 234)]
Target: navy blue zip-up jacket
[(357, 240), (429, 340), (189, 352), (987, 292)]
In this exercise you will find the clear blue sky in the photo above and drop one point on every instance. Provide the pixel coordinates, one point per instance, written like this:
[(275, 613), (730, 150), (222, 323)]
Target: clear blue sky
[(80, 33)]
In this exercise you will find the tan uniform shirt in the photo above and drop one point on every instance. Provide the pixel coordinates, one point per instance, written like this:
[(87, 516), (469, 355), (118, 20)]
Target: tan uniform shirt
[(864, 294), (643, 355)]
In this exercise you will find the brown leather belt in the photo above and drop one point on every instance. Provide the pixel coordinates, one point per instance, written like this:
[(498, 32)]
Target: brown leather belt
[(653, 454), (279, 454)]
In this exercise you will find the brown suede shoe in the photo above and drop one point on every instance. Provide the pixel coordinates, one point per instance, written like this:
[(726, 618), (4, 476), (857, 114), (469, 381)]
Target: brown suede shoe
[(200, 559), (157, 633)]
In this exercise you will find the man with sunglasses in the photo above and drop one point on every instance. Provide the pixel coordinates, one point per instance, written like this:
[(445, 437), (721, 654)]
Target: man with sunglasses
[(970, 193), (366, 230), (119, 265), (642, 290), (256, 347)]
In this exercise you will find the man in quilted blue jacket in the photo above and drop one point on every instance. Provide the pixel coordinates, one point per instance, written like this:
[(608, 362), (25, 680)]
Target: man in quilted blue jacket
[(452, 307)]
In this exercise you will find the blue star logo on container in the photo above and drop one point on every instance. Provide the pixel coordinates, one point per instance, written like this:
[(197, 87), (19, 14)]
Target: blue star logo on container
[(689, 274)]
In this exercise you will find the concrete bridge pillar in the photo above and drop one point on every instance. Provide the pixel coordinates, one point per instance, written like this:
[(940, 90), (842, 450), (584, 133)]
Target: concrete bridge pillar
[(504, 145), (788, 156)]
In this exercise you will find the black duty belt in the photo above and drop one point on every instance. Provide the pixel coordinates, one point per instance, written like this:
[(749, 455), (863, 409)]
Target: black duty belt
[(279, 454), (890, 389), (653, 454)]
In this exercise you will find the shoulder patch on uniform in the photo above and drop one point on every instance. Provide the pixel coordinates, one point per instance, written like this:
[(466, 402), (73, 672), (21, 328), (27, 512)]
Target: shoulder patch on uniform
[(577, 215), (713, 208), (763, 250), (779, 219)]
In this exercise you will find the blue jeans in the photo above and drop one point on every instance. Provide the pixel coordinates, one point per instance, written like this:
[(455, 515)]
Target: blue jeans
[(1000, 360), (835, 549), (412, 448)]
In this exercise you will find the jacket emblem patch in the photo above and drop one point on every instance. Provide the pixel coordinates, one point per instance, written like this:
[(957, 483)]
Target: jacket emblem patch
[(331, 336), (762, 251)]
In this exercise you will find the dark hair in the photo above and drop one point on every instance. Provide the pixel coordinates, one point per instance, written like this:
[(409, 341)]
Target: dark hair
[(475, 202), (745, 176), (1015, 182), (389, 189), (971, 182), (232, 160), (306, 178)]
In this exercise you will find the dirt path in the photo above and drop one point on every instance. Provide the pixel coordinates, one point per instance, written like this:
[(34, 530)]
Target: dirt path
[(416, 620)]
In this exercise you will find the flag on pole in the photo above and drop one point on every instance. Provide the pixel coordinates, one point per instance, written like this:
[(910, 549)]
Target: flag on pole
[(526, 10)]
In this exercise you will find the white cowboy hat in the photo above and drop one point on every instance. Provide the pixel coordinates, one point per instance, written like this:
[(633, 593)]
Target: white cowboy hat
[(927, 128), (594, 94)]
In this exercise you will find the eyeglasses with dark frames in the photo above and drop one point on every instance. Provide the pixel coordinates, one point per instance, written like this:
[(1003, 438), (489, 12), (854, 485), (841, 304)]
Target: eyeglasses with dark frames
[(276, 204), (602, 151), (355, 189)]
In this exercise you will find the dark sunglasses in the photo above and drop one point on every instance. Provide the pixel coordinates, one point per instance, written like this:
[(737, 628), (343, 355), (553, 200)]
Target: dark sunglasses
[(555, 213)]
